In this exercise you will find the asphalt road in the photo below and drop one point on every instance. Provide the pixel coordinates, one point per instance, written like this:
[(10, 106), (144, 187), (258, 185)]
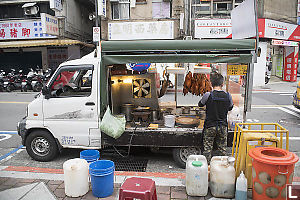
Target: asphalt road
[(268, 106)]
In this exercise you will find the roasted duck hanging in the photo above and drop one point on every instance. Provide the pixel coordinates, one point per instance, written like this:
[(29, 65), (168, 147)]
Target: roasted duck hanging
[(196, 83)]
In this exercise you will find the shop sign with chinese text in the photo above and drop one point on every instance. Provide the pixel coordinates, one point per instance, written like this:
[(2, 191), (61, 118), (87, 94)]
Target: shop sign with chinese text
[(278, 30), (239, 70), (141, 30), (102, 8), (213, 28), (49, 24), (284, 43), (10, 30)]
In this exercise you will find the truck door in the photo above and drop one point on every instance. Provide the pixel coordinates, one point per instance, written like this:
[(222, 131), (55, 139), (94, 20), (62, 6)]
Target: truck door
[(71, 110)]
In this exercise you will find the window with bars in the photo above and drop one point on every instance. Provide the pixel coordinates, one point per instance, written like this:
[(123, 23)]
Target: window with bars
[(203, 7), (200, 8), (121, 9), (161, 9)]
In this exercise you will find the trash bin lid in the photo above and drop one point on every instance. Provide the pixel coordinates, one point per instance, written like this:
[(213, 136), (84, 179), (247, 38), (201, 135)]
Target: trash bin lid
[(273, 156)]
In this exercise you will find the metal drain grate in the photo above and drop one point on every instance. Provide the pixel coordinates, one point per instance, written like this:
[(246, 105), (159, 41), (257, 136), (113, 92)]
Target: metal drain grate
[(130, 164)]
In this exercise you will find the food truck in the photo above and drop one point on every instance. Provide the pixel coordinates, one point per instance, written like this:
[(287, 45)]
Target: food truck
[(68, 112)]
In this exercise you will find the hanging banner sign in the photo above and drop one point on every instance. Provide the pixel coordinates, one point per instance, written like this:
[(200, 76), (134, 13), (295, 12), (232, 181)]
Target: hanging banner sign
[(239, 70), (49, 24), (139, 66), (102, 8)]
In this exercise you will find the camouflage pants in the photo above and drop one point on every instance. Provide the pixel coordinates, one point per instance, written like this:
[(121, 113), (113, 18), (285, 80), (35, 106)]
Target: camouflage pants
[(211, 135)]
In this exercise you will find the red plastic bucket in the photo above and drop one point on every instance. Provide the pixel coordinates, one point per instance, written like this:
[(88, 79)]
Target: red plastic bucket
[(272, 169)]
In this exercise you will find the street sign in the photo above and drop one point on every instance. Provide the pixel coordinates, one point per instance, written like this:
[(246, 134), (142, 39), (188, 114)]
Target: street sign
[(96, 34)]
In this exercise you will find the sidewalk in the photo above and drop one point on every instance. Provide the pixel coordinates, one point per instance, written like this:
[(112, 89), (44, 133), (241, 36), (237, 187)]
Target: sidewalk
[(47, 184), (168, 185), (277, 84)]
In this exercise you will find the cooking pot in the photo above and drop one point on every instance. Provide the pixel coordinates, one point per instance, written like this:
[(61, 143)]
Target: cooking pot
[(155, 115), (127, 110)]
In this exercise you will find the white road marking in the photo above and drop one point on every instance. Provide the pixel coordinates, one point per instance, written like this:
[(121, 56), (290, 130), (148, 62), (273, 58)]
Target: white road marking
[(283, 92), (6, 136), (294, 109), (12, 155), (290, 138), (286, 94), (289, 111)]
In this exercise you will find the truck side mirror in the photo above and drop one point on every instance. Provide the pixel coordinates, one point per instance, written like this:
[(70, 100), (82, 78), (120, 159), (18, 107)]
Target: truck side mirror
[(46, 92)]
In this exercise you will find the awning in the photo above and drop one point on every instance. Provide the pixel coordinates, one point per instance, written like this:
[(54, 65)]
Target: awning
[(173, 51), (178, 45), (38, 43)]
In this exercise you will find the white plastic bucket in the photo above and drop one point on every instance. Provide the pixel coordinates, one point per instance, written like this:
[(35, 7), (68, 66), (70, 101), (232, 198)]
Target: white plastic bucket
[(169, 121), (76, 177)]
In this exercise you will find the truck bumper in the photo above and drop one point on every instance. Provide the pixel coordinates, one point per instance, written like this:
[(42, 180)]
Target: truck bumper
[(21, 127)]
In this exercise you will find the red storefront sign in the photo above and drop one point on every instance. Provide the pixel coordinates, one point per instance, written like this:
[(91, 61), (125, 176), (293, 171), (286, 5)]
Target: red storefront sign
[(268, 28), (290, 64)]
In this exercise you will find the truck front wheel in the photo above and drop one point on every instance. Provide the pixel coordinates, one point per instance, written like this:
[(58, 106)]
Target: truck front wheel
[(41, 146), (181, 154)]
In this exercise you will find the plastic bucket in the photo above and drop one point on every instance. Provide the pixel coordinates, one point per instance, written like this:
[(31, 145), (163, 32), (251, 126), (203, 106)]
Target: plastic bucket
[(102, 178), (90, 155), (272, 169), (76, 177), (169, 121)]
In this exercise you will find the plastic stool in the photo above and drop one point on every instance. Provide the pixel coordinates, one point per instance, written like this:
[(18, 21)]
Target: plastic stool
[(140, 188)]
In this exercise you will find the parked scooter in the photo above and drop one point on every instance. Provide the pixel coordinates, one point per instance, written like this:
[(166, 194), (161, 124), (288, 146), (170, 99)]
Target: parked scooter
[(39, 79), (268, 72), (14, 81), (2, 77), (27, 82)]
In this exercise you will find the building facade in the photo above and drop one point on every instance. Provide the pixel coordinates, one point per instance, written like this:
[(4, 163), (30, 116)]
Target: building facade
[(278, 32), (44, 33)]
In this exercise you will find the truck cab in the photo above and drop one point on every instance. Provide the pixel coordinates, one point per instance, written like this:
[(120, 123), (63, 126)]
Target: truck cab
[(66, 113)]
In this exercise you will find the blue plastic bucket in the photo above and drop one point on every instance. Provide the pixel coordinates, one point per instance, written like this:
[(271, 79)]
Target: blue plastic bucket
[(102, 178), (90, 155)]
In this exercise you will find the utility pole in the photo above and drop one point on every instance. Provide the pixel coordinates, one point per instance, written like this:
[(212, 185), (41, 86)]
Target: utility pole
[(211, 8), (97, 17)]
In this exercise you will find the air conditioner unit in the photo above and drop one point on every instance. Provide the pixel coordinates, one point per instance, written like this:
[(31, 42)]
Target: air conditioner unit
[(188, 37)]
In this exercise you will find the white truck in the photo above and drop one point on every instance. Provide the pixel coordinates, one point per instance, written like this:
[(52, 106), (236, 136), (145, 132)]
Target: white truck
[(68, 111)]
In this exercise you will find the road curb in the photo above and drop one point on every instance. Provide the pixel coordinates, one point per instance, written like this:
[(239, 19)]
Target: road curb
[(161, 179)]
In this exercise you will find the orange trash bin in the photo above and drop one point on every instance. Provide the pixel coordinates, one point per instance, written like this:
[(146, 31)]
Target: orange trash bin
[(272, 169)]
